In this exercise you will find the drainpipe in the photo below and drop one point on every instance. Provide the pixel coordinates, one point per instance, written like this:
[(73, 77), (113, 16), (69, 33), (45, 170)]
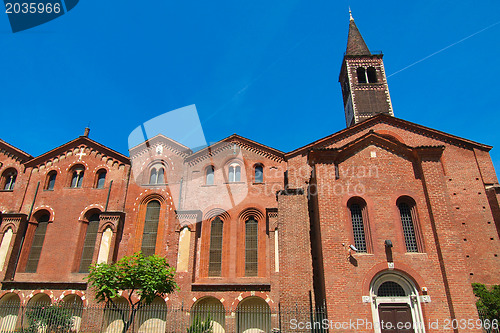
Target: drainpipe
[(24, 232)]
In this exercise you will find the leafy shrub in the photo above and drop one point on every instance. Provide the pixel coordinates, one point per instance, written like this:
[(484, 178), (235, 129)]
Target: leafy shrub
[(201, 326), (488, 302), (52, 318)]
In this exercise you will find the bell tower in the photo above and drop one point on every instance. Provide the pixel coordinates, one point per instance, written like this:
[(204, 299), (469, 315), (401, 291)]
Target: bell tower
[(362, 77)]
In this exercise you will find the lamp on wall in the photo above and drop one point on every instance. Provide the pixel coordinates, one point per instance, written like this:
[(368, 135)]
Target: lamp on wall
[(388, 243)]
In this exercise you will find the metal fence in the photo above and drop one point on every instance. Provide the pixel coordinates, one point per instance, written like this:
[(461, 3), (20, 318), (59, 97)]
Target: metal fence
[(62, 318)]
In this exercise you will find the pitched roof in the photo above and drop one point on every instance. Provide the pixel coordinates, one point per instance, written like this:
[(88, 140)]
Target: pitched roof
[(236, 138), (160, 138), (23, 156), (396, 122), (355, 43), (76, 142)]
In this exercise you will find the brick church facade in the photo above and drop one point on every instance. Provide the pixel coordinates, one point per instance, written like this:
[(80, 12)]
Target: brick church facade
[(383, 219)]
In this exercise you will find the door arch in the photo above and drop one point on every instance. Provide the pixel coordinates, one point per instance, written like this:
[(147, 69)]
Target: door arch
[(396, 304)]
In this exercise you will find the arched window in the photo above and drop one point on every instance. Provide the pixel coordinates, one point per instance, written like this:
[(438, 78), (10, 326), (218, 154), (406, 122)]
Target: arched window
[(77, 176), (9, 179), (37, 244), (209, 176), (148, 247), (390, 289), (372, 75), (251, 247), (407, 213), (157, 174), (259, 174), (234, 174), (361, 74), (51, 180), (101, 179), (358, 214), (89, 243), (215, 254)]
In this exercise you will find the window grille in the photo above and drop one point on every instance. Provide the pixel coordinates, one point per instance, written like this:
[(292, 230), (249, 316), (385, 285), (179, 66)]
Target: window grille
[(390, 289), (408, 228), (358, 228), (36, 246), (251, 247), (150, 228), (89, 243), (215, 255)]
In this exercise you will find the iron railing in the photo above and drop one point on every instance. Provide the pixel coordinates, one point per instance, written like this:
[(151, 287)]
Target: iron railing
[(62, 318)]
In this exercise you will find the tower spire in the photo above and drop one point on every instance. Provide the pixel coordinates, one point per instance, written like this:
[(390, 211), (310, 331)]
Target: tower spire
[(363, 81), (355, 43)]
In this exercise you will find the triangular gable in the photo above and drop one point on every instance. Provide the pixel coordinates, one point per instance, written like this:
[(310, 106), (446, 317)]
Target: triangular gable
[(248, 144), (337, 155), (396, 122), (12, 151), (82, 140), (162, 140)]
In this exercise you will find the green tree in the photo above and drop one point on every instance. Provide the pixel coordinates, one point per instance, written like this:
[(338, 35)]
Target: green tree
[(488, 301), (144, 277)]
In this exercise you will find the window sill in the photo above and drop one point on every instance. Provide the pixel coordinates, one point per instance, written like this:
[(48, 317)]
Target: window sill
[(213, 185), (258, 183), (6, 190), (74, 188), (220, 286), (48, 190), (233, 183)]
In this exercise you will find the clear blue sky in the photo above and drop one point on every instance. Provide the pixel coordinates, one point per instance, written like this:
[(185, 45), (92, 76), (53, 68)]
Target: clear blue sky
[(267, 70)]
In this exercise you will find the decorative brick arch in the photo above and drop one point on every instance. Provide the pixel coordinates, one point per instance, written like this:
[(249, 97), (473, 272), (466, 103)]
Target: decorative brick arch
[(79, 293), (87, 209), (6, 226), (399, 267), (244, 295), (214, 212), (38, 209), (12, 291)]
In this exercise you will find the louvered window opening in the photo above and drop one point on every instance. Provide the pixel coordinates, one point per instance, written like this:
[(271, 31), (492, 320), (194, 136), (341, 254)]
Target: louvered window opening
[(89, 243), (251, 248), (390, 289), (358, 228), (215, 255), (36, 246), (408, 228), (150, 228)]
